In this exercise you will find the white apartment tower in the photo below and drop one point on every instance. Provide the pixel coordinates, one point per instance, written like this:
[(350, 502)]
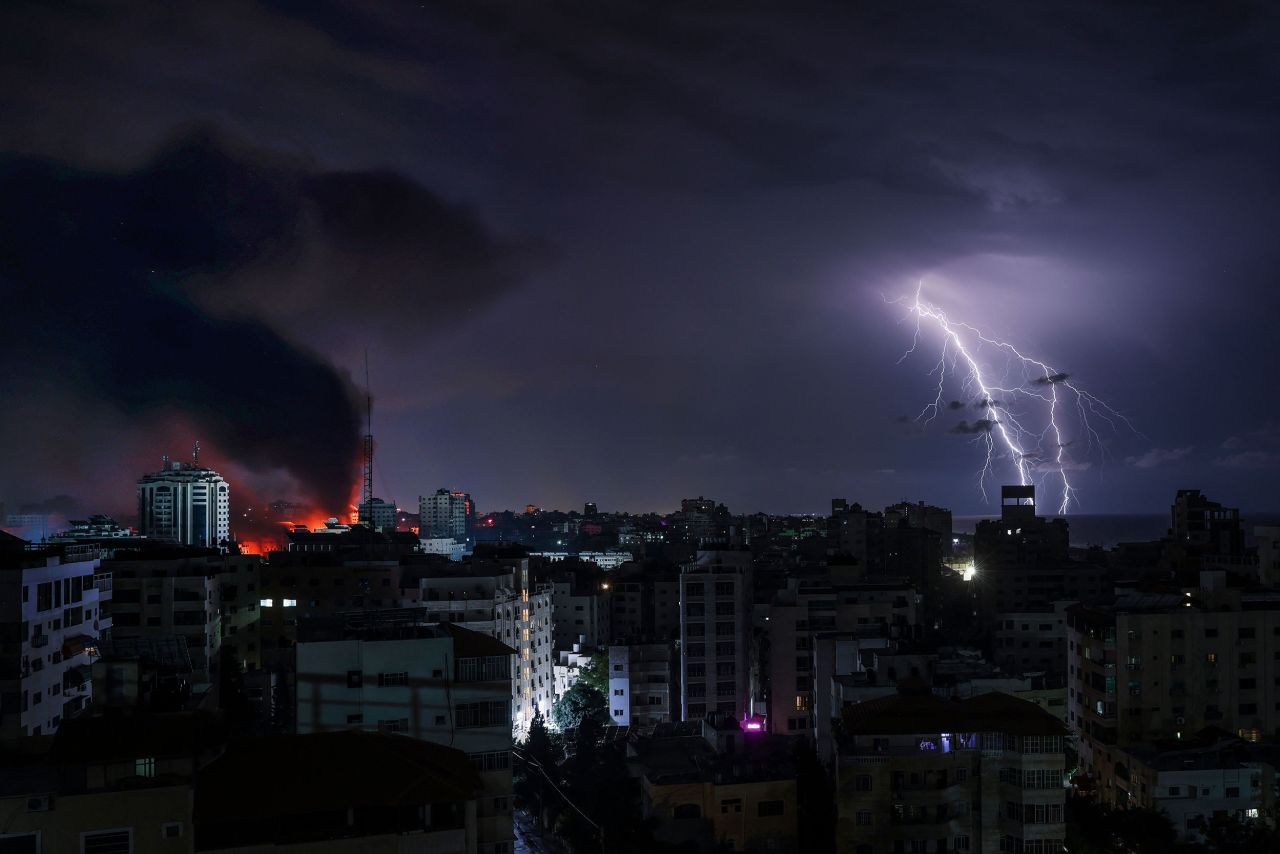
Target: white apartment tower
[(185, 503), (51, 619)]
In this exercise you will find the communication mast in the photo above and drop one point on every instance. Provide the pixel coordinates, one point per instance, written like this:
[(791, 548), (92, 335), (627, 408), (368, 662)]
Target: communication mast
[(366, 497)]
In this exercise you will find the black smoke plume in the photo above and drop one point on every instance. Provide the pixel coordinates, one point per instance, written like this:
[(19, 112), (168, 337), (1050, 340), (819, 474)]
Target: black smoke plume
[(112, 285)]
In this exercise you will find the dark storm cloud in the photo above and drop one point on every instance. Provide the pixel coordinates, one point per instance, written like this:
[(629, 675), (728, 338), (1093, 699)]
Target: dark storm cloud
[(1052, 379), (729, 189), (955, 405), (108, 280), (967, 428)]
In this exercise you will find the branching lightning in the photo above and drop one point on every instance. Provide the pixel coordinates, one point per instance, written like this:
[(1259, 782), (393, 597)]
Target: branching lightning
[(1026, 413)]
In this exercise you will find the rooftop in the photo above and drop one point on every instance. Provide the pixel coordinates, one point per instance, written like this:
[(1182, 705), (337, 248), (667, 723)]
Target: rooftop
[(280, 777), (905, 714)]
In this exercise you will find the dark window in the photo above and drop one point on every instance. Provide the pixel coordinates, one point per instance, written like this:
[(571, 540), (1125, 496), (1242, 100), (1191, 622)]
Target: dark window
[(767, 808)]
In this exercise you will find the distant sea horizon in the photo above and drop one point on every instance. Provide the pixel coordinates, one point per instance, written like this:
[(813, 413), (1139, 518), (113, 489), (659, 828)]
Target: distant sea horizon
[(1109, 529)]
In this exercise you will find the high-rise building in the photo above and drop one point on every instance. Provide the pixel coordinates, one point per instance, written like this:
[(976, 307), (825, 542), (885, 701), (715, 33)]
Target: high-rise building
[(185, 503), (445, 514), (715, 627), (50, 622)]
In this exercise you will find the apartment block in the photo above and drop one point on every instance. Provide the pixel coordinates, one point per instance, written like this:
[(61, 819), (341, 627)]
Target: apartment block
[(918, 774), (50, 622)]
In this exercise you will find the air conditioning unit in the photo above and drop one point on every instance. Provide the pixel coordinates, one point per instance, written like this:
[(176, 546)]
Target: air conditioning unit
[(40, 803)]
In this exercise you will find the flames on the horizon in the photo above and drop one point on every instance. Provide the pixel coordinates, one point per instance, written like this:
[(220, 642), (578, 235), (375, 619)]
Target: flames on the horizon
[(264, 527)]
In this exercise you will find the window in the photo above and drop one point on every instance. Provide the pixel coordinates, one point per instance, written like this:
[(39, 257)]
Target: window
[(393, 680), (498, 760), (290, 603), (618, 692), (145, 767), (961, 843), (354, 678), (731, 805), (266, 603), (107, 842), (862, 783), (493, 713), (769, 808), (863, 817), (355, 719), (394, 725), (617, 713), (171, 829)]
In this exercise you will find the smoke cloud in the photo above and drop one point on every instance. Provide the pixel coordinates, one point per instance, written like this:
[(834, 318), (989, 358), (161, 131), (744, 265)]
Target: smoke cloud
[(156, 298)]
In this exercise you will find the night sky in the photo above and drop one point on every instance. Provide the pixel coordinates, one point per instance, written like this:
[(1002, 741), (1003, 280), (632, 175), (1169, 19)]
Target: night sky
[(627, 252)]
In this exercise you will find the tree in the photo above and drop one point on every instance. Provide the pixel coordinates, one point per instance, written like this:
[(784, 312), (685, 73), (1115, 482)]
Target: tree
[(595, 673), (539, 752), (579, 703)]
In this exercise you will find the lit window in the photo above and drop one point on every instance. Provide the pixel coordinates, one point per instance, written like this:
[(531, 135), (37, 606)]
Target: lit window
[(290, 603), (266, 603), (145, 767)]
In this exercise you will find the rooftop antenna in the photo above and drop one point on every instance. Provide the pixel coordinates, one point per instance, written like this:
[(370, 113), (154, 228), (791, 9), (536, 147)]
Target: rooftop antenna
[(366, 497)]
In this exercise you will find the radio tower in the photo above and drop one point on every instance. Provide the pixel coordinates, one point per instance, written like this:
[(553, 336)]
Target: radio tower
[(366, 497)]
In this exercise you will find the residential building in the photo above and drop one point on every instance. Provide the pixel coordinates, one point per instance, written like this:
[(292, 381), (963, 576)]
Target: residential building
[(50, 622), (493, 592), (120, 783), (383, 514), (1033, 641), (645, 602), (642, 684), (921, 515), (341, 792), (580, 606), (1197, 778), (446, 514), (395, 672), (916, 773), (1022, 561), (186, 504), (715, 626), (796, 615), (708, 783), (1154, 665), (162, 592), (239, 580)]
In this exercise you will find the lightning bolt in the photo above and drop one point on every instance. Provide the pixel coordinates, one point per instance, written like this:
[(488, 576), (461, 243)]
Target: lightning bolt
[(1026, 387)]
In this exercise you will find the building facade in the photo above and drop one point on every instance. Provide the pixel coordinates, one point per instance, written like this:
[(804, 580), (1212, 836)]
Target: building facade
[(50, 622), (185, 503), (392, 672), (715, 626), (919, 774)]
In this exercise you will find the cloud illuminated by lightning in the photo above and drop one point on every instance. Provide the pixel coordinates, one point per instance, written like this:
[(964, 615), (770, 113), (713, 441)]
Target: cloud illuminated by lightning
[(1030, 413)]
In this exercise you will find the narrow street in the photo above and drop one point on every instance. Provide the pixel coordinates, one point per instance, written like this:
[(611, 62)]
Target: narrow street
[(530, 840)]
